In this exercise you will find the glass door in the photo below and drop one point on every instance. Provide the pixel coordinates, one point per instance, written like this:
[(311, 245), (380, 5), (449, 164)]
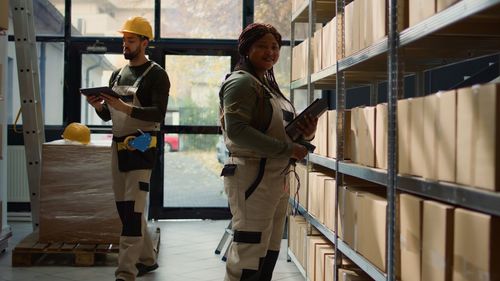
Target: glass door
[(194, 151)]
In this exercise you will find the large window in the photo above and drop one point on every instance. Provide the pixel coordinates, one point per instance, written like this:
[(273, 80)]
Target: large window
[(194, 93), (275, 12), (49, 18), (96, 71), (51, 66), (105, 18), (206, 19)]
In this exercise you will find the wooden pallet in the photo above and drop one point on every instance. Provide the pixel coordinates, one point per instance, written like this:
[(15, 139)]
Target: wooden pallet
[(32, 252)]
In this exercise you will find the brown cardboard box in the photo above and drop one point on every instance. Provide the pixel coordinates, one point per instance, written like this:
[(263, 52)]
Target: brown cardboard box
[(329, 265), (371, 228), (330, 194), (321, 252), (76, 199), (300, 60), (329, 44), (476, 247), (446, 135), (4, 14), (420, 10), (314, 192), (437, 241), (381, 136), (352, 275), (430, 140), (317, 52), (294, 226), (411, 208), (321, 196), (443, 4), (322, 135), (404, 139), (378, 12), (347, 215), (301, 243), (312, 246), (351, 30), (363, 134), (302, 189), (478, 131), (332, 134), (417, 159), (465, 135)]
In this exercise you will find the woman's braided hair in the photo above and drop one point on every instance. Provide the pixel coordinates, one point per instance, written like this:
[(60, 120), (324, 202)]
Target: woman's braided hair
[(248, 37)]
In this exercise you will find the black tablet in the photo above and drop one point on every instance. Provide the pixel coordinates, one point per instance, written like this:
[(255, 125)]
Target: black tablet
[(315, 109), (99, 90)]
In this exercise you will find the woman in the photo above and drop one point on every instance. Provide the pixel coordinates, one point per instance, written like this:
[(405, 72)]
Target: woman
[(254, 116)]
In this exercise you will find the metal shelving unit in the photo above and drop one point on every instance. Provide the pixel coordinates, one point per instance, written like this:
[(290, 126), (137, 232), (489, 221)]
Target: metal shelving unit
[(468, 29), (5, 234)]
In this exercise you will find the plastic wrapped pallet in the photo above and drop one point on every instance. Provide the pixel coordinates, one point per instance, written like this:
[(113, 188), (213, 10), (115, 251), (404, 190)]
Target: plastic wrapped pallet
[(76, 198)]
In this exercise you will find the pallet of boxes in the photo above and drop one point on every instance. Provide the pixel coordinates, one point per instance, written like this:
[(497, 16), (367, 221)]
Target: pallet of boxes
[(78, 217)]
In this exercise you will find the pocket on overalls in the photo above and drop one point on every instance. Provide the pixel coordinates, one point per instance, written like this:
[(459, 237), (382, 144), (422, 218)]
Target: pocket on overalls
[(129, 160)]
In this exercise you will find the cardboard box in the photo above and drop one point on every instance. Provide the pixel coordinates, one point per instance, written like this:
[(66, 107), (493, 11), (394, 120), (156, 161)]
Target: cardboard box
[(329, 265), (77, 204), (443, 4), (476, 246), (411, 209), (332, 134), (420, 10), (417, 149), (313, 242), (371, 228), (404, 139), (429, 140), (315, 192), (446, 135), (352, 275), (329, 44), (351, 30), (301, 185), (437, 241), (4, 14), (317, 52), (381, 134), (363, 134), (321, 252), (478, 132), (321, 136), (378, 11), (330, 194), (300, 60), (347, 215)]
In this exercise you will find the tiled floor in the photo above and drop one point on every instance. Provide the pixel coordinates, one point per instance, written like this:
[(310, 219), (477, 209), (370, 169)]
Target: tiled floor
[(186, 254)]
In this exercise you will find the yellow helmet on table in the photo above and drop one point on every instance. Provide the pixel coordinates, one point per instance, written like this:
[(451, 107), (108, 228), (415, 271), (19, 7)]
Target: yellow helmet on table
[(77, 132), (139, 26)]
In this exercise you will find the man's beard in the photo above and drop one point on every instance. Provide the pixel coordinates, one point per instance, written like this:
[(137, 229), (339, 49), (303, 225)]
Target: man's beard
[(131, 55)]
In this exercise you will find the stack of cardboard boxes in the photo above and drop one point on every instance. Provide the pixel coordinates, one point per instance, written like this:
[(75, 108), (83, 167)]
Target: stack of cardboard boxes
[(76, 196)]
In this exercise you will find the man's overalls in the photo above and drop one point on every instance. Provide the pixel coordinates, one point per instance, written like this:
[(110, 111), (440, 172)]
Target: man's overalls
[(131, 171), (258, 200)]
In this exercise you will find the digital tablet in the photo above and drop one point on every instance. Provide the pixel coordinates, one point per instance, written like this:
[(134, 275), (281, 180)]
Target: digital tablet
[(99, 90), (315, 109)]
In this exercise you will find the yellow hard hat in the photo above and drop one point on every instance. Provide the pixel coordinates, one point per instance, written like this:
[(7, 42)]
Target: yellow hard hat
[(77, 132), (138, 25)]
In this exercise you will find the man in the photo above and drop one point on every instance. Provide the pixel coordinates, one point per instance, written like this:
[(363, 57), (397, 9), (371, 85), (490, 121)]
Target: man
[(143, 86)]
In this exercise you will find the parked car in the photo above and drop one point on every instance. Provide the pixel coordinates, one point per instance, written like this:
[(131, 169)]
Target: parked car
[(222, 152), (171, 142)]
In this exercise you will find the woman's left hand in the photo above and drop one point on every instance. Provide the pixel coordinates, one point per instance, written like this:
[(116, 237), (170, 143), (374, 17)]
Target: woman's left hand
[(117, 104), (308, 127)]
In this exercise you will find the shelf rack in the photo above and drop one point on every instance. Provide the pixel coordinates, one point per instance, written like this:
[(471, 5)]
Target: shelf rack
[(468, 29)]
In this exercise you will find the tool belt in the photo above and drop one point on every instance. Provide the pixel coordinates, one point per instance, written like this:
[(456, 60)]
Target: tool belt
[(130, 159)]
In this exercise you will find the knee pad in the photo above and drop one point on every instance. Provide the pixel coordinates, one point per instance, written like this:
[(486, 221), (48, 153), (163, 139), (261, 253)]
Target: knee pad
[(131, 221)]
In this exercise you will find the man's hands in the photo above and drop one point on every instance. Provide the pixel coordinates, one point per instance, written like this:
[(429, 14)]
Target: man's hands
[(116, 103)]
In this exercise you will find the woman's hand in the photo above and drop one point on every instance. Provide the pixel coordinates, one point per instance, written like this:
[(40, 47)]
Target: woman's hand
[(299, 151), (117, 104), (95, 101), (308, 127)]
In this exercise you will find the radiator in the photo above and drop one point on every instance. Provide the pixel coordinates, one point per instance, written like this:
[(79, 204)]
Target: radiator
[(17, 177)]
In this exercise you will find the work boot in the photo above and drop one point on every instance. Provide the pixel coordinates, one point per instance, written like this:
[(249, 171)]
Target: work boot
[(143, 269)]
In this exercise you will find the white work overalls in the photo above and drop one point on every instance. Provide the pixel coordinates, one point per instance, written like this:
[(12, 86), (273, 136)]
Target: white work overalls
[(131, 171), (258, 200)]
